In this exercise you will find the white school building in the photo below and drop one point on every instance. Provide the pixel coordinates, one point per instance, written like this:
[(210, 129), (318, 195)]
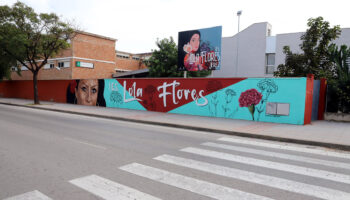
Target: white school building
[(253, 52)]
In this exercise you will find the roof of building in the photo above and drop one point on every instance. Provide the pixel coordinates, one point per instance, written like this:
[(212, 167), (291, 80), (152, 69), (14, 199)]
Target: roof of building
[(136, 54), (95, 35), (141, 72)]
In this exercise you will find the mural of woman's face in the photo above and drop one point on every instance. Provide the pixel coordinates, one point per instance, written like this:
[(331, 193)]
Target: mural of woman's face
[(86, 92), (194, 42)]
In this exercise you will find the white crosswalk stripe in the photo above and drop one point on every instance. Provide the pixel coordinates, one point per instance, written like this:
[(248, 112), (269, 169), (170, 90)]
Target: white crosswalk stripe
[(110, 190), (193, 185), (280, 155), (34, 195), (284, 184), (272, 165), (286, 146)]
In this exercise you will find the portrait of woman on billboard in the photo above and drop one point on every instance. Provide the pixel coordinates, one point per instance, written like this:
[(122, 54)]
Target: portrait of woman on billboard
[(190, 50), (199, 49)]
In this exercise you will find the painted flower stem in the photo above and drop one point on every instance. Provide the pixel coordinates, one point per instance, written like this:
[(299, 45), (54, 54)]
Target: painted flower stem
[(252, 110)]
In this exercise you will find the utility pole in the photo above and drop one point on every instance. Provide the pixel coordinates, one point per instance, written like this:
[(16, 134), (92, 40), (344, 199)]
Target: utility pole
[(237, 45)]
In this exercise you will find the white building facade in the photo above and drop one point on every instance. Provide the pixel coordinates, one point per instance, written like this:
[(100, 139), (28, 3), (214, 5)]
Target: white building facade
[(253, 52)]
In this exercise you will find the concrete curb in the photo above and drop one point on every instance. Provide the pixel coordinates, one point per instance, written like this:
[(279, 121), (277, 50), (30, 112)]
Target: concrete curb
[(241, 134)]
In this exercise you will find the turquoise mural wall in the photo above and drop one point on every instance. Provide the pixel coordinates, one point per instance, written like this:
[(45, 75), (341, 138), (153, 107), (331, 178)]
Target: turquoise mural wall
[(245, 99)]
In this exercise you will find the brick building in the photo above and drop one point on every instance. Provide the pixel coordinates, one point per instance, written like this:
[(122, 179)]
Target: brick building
[(90, 56), (130, 62)]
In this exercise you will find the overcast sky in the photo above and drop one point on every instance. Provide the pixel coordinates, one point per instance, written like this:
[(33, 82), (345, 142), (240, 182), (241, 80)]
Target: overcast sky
[(138, 23)]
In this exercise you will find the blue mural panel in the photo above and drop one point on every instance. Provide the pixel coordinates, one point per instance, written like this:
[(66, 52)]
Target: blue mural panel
[(225, 102)]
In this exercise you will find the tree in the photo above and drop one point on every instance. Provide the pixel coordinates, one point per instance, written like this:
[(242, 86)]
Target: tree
[(6, 63), (315, 59), (163, 62), (339, 89), (340, 58), (31, 38), (294, 65)]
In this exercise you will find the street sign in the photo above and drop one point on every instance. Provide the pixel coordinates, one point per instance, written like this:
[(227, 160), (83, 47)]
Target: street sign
[(84, 64)]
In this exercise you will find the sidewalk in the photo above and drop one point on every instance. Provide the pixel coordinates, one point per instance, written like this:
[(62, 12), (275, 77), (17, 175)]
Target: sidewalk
[(320, 133)]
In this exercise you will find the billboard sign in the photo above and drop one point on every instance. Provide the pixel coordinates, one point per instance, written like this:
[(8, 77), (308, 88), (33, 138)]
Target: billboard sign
[(200, 49)]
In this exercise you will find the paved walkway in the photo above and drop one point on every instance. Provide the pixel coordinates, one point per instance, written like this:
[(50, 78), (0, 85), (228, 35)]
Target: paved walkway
[(321, 133)]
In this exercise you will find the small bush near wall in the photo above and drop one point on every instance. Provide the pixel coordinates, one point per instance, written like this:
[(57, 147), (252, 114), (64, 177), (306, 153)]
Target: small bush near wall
[(338, 98)]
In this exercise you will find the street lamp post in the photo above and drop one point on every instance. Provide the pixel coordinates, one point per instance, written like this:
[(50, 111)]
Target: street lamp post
[(238, 15)]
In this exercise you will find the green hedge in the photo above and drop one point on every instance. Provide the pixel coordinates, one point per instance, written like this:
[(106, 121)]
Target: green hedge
[(338, 97)]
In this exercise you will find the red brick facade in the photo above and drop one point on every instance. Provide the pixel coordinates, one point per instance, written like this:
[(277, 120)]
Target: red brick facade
[(96, 51), (130, 62), (92, 49)]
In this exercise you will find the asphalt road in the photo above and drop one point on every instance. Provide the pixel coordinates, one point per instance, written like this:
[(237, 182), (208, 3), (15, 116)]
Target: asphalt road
[(51, 155)]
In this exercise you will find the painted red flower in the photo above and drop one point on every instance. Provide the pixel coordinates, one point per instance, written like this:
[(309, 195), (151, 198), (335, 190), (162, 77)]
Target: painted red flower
[(250, 97)]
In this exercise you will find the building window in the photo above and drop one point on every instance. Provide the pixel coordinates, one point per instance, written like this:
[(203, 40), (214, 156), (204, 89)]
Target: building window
[(135, 58), (13, 69), (49, 66), (67, 64), (60, 64), (123, 56), (270, 63), (147, 57), (268, 32)]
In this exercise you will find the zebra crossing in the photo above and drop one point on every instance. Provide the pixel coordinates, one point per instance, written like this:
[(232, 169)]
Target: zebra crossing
[(331, 168), (34, 195)]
